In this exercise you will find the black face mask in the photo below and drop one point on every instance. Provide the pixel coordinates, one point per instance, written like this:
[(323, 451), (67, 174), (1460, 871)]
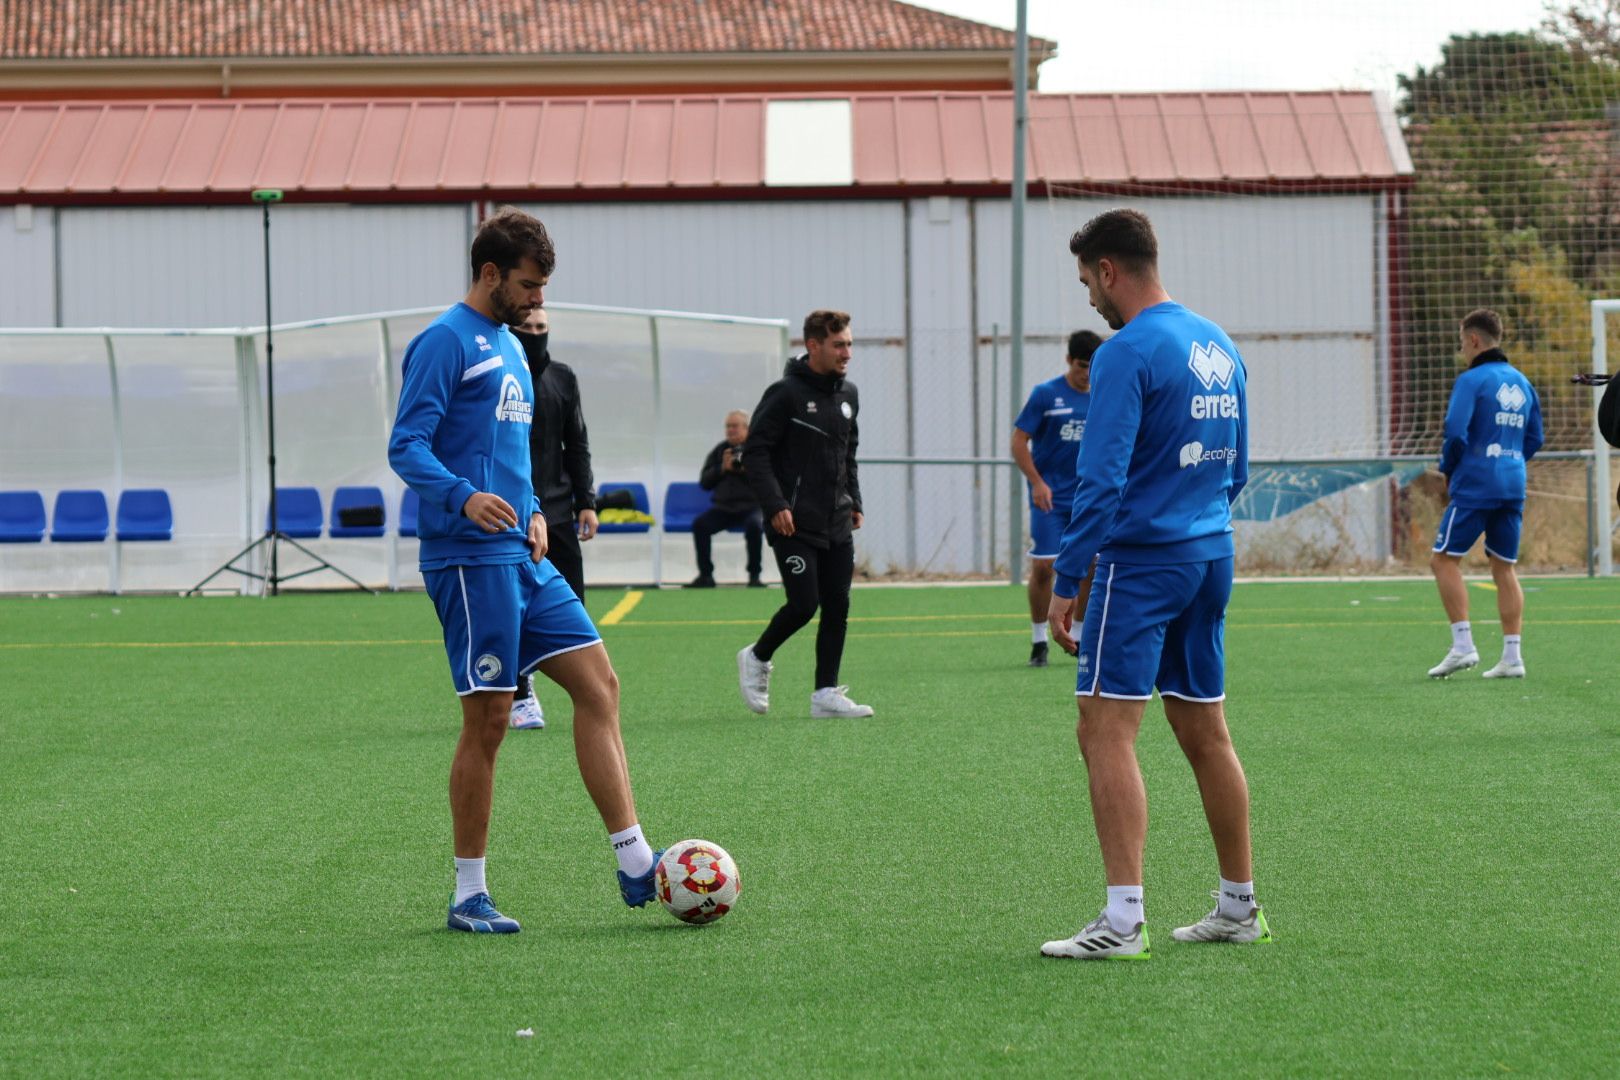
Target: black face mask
[(535, 347)]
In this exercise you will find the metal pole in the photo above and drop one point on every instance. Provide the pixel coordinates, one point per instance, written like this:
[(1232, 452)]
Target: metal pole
[(270, 390), (1600, 448), (1020, 184)]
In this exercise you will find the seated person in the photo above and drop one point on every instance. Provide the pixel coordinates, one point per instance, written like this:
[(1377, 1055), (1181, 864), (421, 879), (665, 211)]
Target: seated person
[(734, 504)]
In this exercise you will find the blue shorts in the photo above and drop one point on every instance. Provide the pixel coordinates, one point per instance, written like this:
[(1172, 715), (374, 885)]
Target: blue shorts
[(1460, 526), (1161, 626), (503, 620), (1046, 530)]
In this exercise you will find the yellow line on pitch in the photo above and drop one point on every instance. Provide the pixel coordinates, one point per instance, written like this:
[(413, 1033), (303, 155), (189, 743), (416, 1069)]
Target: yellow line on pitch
[(1483, 585), (622, 608)]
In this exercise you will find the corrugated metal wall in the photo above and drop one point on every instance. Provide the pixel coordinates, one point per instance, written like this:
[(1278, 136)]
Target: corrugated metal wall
[(1295, 280)]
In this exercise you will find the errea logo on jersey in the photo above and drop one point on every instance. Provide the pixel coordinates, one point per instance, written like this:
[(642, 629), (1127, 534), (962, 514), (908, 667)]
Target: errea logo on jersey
[(1511, 397), (1212, 366), (511, 405), (483, 343)]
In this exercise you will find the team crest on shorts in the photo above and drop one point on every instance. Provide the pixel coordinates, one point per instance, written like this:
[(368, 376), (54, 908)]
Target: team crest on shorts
[(488, 667)]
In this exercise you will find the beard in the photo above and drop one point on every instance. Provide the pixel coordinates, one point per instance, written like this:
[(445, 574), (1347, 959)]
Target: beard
[(505, 309), (1110, 315)]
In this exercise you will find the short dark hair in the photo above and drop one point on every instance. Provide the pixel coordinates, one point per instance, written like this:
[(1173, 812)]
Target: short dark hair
[(510, 236), (823, 324), (1125, 236), (1484, 322), (1082, 343)]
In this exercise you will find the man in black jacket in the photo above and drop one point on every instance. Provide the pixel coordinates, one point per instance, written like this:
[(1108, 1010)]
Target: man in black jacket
[(731, 504), (561, 455), (800, 460)]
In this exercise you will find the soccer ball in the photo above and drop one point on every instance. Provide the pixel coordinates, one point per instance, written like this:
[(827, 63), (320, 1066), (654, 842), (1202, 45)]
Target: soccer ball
[(697, 881)]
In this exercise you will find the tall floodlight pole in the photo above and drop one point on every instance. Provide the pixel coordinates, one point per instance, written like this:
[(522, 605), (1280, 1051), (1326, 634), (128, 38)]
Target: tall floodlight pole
[(1020, 183)]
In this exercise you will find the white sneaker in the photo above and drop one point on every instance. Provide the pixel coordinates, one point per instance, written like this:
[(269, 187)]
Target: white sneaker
[(754, 680), (1100, 941), (1455, 661), (833, 701), (1505, 670), (1218, 927), (527, 714)]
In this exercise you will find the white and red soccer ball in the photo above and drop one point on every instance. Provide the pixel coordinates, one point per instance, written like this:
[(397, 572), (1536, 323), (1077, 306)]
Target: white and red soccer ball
[(697, 881)]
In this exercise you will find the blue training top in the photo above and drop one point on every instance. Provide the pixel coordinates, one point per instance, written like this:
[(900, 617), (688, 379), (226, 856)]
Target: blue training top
[(1054, 418), (1166, 452), (465, 410), (1493, 426)]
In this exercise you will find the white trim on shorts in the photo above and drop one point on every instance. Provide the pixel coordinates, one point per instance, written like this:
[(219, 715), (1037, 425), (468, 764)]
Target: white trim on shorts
[(1494, 555), (530, 669), (488, 690), (1102, 631), (1446, 539), (1043, 557), (466, 610), (1189, 697), (1114, 697)]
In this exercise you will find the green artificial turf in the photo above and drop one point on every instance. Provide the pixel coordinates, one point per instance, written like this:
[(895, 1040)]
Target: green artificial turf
[(226, 849)]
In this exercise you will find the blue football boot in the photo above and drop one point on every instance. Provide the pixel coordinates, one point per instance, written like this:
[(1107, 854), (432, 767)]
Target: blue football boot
[(478, 915), (638, 890)]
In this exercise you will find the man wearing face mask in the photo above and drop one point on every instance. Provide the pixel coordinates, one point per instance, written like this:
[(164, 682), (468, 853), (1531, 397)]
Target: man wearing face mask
[(561, 455)]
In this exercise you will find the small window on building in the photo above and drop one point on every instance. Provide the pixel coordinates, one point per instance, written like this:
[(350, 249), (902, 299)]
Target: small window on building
[(808, 143)]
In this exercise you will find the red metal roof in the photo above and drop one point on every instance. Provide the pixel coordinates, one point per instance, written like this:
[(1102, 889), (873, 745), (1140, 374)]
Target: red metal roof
[(479, 147), (181, 29)]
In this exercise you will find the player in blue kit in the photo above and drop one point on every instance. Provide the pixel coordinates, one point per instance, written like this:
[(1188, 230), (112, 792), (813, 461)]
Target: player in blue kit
[(1493, 426), (1046, 446), (1165, 453), (461, 441)]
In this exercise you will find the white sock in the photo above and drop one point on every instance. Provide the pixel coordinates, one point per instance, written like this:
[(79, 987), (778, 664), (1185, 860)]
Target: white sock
[(1510, 649), (1124, 909), (1237, 899), (1037, 633), (469, 878), (1462, 637), (630, 848)]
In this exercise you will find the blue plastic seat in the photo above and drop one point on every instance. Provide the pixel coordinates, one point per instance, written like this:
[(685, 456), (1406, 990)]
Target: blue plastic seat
[(145, 514), (409, 507), (639, 493), (79, 517), (299, 509), (683, 502), (22, 517), (364, 502)]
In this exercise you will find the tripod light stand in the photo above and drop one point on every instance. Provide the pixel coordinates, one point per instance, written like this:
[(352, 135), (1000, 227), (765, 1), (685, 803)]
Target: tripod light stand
[(273, 536)]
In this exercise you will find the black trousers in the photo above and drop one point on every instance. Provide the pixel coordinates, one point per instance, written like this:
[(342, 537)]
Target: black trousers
[(562, 551), (812, 577), (715, 520)]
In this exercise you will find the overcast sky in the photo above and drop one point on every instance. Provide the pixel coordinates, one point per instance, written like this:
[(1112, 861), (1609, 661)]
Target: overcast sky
[(1244, 44)]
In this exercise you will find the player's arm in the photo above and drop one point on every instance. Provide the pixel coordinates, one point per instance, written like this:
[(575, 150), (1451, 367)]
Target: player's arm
[(1532, 426), (1240, 464), (766, 430), (432, 370), (577, 451), (1039, 491), (709, 477), (852, 471), (1117, 390), (1459, 414)]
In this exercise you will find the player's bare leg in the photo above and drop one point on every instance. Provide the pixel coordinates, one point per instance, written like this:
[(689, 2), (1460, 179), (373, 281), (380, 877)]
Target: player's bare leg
[(472, 771), (1454, 596), (1040, 599), (1510, 605), (1200, 728), (1107, 733), (588, 678)]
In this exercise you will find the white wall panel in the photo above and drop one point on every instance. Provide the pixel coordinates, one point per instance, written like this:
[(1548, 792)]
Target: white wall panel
[(776, 260), (27, 292), (204, 266)]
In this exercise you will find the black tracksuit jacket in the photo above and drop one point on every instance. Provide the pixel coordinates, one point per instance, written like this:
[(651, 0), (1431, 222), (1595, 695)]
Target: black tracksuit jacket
[(800, 454)]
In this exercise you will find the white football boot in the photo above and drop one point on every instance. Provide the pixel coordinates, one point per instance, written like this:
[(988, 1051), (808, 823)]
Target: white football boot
[(527, 714), (831, 702), (754, 680), (1505, 670), (1454, 662), (1218, 927), (1100, 941)]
